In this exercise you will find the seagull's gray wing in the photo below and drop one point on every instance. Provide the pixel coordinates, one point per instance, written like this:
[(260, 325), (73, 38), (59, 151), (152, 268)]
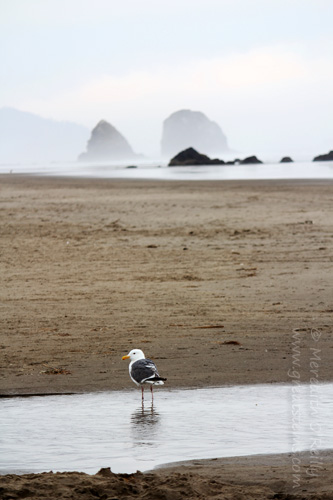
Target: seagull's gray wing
[(144, 370)]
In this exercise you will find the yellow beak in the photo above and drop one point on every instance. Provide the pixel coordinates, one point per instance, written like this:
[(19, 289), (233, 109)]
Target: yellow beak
[(125, 357)]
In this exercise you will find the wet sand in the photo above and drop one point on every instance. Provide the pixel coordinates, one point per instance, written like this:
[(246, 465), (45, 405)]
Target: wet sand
[(258, 477), (218, 282)]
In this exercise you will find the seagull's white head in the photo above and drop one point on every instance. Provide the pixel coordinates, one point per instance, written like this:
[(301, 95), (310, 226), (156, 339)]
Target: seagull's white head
[(134, 355)]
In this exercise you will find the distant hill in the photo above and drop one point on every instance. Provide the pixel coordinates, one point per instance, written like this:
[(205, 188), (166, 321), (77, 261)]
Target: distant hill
[(26, 137)]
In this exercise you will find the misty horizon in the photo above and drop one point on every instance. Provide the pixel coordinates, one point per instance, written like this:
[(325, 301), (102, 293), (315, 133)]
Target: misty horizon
[(38, 152), (262, 71)]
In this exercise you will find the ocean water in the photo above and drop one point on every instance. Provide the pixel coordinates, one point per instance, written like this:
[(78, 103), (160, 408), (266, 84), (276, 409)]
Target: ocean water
[(85, 432), (155, 171)]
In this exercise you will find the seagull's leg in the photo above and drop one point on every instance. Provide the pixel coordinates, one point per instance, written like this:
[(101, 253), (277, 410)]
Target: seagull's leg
[(152, 394), (142, 392)]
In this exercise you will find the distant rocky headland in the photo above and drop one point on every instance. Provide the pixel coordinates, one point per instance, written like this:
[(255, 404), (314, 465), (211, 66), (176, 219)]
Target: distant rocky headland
[(185, 128), (107, 143), (28, 138)]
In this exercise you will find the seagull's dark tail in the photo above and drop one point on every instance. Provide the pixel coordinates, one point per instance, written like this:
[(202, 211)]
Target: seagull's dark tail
[(157, 380)]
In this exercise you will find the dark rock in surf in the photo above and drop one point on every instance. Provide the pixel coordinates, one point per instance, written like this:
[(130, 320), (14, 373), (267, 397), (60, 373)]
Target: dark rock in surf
[(325, 157), (250, 160), (286, 159), (191, 157)]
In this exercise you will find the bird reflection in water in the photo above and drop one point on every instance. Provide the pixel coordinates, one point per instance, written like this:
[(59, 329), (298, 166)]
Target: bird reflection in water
[(144, 425)]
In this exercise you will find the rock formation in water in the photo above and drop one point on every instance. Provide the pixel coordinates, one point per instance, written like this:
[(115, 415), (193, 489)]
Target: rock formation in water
[(191, 157), (286, 159), (184, 129), (106, 143), (326, 157), (236, 161), (250, 160)]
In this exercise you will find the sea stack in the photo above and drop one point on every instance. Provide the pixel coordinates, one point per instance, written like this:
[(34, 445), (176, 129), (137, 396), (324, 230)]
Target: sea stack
[(185, 128), (107, 143)]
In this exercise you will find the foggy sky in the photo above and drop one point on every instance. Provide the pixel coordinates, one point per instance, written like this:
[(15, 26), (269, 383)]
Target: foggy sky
[(263, 70)]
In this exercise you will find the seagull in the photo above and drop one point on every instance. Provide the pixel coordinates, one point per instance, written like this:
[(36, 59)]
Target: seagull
[(143, 370)]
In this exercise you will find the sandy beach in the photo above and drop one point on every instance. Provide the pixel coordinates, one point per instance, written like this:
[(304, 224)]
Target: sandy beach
[(220, 276)]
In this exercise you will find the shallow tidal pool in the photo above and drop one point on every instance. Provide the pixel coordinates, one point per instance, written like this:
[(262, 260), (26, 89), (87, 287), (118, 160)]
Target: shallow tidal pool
[(85, 432)]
